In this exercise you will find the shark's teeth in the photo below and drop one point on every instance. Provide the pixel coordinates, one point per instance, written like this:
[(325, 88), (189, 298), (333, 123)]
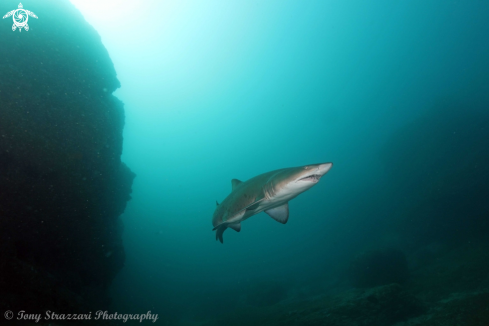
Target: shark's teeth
[(311, 178)]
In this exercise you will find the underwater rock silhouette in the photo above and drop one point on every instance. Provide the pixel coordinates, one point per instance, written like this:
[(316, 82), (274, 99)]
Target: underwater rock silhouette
[(62, 183)]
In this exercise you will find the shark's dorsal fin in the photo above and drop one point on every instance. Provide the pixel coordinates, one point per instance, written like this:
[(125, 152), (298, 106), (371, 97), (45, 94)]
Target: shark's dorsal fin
[(235, 183), (280, 213), (217, 204)]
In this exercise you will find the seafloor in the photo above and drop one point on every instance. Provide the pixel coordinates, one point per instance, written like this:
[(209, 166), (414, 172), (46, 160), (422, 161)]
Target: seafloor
[(450, 288)]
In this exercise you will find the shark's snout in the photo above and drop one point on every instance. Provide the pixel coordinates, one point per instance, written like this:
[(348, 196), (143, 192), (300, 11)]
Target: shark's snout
[(324, 168)]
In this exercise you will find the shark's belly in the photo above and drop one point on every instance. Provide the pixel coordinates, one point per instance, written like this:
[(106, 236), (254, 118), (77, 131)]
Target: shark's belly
[(279, 199), (266, 205)]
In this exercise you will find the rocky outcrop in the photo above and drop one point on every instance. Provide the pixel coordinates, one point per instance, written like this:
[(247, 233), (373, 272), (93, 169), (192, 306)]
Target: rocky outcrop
[(450, 289), (62, 183)]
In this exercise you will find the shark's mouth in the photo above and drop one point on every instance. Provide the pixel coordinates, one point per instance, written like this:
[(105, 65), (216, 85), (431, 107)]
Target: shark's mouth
[(311, 178)]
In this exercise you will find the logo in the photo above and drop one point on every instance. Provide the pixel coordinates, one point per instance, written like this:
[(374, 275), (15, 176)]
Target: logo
[(20, 16)]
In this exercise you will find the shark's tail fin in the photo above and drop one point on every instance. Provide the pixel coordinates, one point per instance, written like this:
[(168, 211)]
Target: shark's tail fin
[(219, 231)]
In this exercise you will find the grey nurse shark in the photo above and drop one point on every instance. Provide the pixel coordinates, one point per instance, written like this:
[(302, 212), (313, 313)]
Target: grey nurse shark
[(268, 192)]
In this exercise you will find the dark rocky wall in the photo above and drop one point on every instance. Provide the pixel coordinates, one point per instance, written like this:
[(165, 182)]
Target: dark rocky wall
[(62, 183)]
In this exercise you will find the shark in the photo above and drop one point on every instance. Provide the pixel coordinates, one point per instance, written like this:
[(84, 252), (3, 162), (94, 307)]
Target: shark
[(268, 192)]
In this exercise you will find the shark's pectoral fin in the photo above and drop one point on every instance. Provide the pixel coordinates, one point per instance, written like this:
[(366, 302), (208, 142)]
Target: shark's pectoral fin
[(236, 227), (280, 213), (235, 183)]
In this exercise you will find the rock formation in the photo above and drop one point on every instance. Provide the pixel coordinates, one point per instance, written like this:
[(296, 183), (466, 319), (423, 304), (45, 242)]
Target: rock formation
[(62, 183)]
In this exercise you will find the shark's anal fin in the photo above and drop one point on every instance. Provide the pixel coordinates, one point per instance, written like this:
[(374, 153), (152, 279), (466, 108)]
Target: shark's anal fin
[(235, 183), (280, 213), (236, 227)]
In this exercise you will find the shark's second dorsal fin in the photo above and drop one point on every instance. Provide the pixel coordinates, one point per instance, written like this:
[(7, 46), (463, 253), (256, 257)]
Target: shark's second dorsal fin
[(235, 183)]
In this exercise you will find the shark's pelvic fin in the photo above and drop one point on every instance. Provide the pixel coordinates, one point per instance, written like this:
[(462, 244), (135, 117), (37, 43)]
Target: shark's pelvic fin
[(280, 213), (235, 183), (236, 227)]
